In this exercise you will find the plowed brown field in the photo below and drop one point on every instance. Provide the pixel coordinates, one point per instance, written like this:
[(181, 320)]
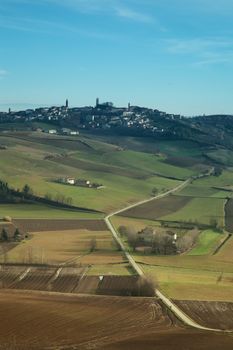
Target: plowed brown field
[(211, 314), (118, 285), (157, 208), (229, 215), (38, 321), (65, 280), (38, 225)]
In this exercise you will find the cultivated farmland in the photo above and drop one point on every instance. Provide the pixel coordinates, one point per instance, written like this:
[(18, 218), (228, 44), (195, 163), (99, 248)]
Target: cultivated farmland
[(60, 225), (40, 211), (122, 172), (67, 280), (98, 319), (157, 208), (200, 210), (229, 215), (87, 322), (226, 252), (209, 313), (56, 247)]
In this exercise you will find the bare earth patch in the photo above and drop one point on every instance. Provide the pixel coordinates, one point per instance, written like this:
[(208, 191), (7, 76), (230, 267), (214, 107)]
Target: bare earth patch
[(157, 208), (37, 321)]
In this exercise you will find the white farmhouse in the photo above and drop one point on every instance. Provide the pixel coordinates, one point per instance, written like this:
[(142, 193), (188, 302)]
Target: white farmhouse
[(52, 131), (70, 181)]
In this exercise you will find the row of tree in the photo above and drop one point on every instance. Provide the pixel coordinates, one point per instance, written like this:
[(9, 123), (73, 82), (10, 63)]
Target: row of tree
[(27, 193), (5, 237), (159, 242)]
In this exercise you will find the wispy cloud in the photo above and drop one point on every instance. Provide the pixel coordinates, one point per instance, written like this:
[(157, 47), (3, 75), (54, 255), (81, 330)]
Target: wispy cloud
[(210, 59), (130, 14), (197, 45), (49, 27), (118, 8), (203, 51), (3, 73)]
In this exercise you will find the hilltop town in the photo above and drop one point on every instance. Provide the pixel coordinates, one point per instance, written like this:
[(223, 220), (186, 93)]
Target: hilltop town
[(101, 116)]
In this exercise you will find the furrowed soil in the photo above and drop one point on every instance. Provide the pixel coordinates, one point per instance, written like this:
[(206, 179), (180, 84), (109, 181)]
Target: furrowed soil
[(36, 225), (209, 313), (157, 208), (229, 215), (37, 321)]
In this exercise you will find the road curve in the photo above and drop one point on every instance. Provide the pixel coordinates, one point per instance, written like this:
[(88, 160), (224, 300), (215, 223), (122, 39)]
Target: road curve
[(167, 302)]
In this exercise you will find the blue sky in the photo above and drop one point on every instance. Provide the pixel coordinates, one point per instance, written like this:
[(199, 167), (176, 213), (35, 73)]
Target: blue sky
[(174, 55)]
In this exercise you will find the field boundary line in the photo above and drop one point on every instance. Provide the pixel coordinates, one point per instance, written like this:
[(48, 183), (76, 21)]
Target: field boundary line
[(166, 301), (56, 275), (24, 274), (216, 251)]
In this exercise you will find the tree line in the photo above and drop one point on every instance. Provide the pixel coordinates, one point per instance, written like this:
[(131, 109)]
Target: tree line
[(6, 237), (159, 242), (27, 194)]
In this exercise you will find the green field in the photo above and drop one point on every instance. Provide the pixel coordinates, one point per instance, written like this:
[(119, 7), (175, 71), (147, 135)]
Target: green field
[(198, 275), (129, 169), (200, 210), (192, 284), (194, 190), (111, 269), (225, 179), (222, 156), (149, 145), (207, 242), (39, 211), (127, 176)]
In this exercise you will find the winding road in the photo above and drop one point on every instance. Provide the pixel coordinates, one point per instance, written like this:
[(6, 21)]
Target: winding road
[(166, 301)]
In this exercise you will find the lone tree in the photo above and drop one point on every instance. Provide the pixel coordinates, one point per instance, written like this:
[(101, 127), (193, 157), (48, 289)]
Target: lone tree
[(122, 230), (27, 191), (213, 222), (4, 189), (17, 235), (133, 237), (93, 244), (154, 191), (146, 286), (4, 235)]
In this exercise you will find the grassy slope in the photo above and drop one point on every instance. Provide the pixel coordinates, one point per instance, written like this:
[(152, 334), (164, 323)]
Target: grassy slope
[(207, 201), (197, 275), (225, 179), (150, 145), (40, 211), (183, 277), (71, 246), (192, 284), (225, 254), (222, 156), (200, 191), (23, 162), (207, 242), (61, 246), (201, 210), (137, 160)]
